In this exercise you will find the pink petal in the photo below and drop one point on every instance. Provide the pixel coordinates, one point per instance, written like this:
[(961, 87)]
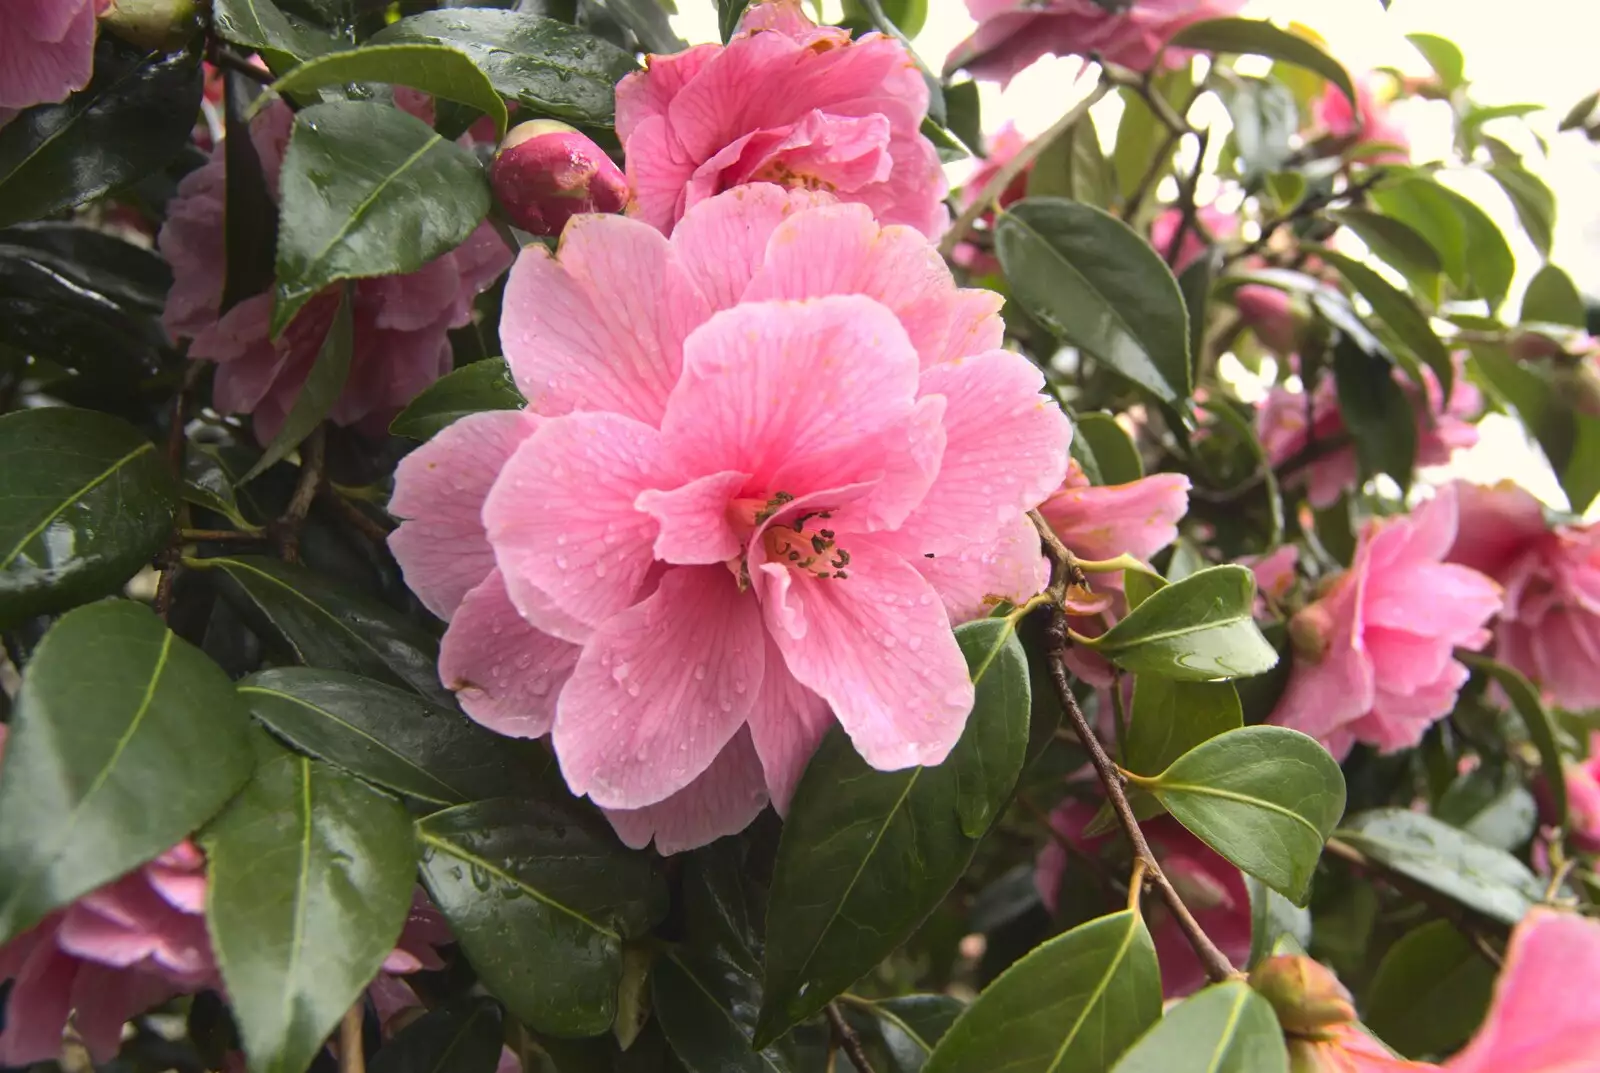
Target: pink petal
[(505, 673), (38, 1004), (786, 725), (722, 242), (973, 579), (878, 648), (647, 93), (660, 689), (1431, 599), (439, 490), (561, 517), (1496, 524), (695, 529), (1104, 521), (51, 58), (659, 171), (1403, 661), (722, 800), (105, 999)]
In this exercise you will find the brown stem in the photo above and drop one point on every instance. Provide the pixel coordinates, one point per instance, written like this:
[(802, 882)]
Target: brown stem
[(234, 62), (352, 1057), (287, 528), (170, 565), (1147, 181), (195, 536), (1188, 219), (1308, 207), (849, 1042), (358, 519)]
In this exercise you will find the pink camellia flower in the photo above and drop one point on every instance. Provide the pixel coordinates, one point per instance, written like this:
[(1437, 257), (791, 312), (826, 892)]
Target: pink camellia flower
[(1212, 888), (1103, 521), (1373, 658), (546, 172), (1550, 628), (764, 466), (787, 102), (1441, 430), (401, 322), (1219, 224), (1275, 571), (1012, 34), (46, 51), (1373, 126), (1006, 144)]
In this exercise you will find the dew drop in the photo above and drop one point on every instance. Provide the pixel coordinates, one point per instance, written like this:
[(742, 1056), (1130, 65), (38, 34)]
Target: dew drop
[(700, 673)]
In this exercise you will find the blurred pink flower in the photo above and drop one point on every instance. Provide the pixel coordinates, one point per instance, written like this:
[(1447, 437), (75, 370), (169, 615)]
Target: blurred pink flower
[(1104, 521), (1221, 225), (1266, 310), (1374, 126), (1550, 628), (1373, 655), (1006, 144), (401, 322), (1012, 34), (753, 453), (1281, 424), (787, 102), (1213, 889), (46, 51)]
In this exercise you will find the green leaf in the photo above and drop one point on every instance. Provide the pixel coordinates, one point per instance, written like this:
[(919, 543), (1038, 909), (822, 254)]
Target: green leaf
[(85, 501), (541, 896), (1073, 1004), (1397, 244), (310, 879), (1489, 263), (546, 66), (319, 393), (1578, 115), (1261, 38), (132, 119), (1288, 189), (964, 113), (1552, 298), (729, 12), (124, 740), (1430, 991), (1226, 1028), (648, 21), (1195, 282), (131, 276), (1445, 859), (471, 389), (1196, 629), (321, 625), (866, 855), (1264, 797), (1377, 412), (1113, 449), (1533, 201), (439, 70), (1569, 439), (1073, 166), (1265, 119), (1443, 56), (461, 1037), (368, 190), (1092, 280), (1169, 718), (905, 1030), (1396, 309), (1536, 718), (260, 26), (206, 484), (389, 736)]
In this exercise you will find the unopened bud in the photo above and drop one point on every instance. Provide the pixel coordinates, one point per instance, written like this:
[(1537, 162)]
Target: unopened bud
[(1311, 631), (545, 173), (1307, 998), (152, 24)]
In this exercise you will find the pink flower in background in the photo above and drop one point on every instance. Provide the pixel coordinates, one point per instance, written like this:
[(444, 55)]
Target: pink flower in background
[(1213, 889), (46, 51), (1373, 655), (765, 465), (1006, 143), (1104, 521), (1269, 313), (787, 102), (1220, 225), (1373, 126), (1275, 571), (1583, 800), (401, 322), (1266, 310), (1441, 430), (1550, 628), (1012, 34)]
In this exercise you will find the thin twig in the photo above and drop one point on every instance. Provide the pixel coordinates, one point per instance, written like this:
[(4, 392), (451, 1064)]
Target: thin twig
[(358, 519), (170, 565), (849, 1042), (235, 62), (1189, 212), (1158, 164), (352, 1056), (220, 536), (287, 528), (1313, 204)]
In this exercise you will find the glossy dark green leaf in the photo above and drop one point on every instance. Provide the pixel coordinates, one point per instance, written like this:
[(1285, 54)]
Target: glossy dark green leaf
[(1552, 298), (206, 484), (1488, 259), (866, 855), (541, 896), (1073, 166), (1396, 309), (1430, 991), (389, 736), (322, 625), (85, 501), (1258, 37), (1226, 1028), (471, 389), (132, 276), (462, 1037), (1401, 246), (124, 740), (1073, 1005), (1443, 56), (1114, 450), (1569, 438), (1376, 410), (1446, 859), (707, 1002), (1264, 797), (964, 114), (1196, 629), (547, 66), (368, 190), (439, 70), (1536, 719), (1195, 283), (648, 21), (311, 873), (260, 26), (1095, 282), (321, 389), (1265, 118), (899, 1034), (1169, 718), (1533, 201), (729, 12)]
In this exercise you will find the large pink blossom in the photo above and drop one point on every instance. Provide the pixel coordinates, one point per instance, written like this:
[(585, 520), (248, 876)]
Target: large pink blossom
[(401, 323), (1282, 425), (1550, 628), (1212, 888), (1012, 34), (788, 102), (765, 465), (1373, 655), (1372, 125), (46, 51)]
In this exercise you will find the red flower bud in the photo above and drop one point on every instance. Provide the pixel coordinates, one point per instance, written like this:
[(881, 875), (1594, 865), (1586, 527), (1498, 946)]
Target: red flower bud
[(1308, 998), (545, 173)]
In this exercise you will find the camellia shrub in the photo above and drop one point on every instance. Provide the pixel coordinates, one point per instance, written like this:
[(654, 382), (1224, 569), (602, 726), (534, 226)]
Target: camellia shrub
[(528, 546)]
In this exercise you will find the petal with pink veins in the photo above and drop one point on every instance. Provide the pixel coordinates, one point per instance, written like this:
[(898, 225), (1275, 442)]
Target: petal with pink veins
[(787, 725), (722, 800), (695, 529), (722, 242), (971, 580)]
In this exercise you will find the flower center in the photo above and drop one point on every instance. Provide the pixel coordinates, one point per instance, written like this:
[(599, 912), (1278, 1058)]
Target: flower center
[(804, 542)]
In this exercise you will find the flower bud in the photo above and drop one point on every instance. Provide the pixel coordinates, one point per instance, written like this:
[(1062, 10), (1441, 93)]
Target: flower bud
[(545, 173), (1311, 632), (1307, 998), (152, 24)]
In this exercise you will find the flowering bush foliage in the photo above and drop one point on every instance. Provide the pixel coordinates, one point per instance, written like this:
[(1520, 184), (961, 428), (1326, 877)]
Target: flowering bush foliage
[(530, 546)]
